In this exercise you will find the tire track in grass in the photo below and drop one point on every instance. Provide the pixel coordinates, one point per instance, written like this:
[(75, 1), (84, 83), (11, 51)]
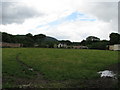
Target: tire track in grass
[(39, 78)]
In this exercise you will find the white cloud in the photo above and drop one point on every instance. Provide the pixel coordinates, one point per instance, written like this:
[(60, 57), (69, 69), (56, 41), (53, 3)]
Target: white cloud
[(17, 13), (78, 30), (104, 13)]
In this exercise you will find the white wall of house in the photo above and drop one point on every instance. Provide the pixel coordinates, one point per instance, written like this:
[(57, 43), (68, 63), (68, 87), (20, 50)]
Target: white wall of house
[(114, 47), (117, 47), (111, 47)]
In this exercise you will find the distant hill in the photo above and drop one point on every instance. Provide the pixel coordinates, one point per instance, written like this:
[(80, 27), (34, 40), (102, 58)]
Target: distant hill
[(48, 38)]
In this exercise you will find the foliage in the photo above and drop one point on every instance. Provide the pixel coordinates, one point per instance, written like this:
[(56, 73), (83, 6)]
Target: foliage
[(92, 38), (95, 43), (114, 38), (29, 40), (102, 45), (66, 42), (41, 40)]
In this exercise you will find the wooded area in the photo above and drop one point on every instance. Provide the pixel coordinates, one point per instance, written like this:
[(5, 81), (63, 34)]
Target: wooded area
[(41, 40)]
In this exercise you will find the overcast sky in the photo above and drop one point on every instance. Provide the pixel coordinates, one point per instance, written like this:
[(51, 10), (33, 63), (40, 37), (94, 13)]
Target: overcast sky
[(72, 20)]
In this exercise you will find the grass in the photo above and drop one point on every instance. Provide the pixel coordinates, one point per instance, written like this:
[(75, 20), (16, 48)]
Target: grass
[(57, 64), (10, 65)]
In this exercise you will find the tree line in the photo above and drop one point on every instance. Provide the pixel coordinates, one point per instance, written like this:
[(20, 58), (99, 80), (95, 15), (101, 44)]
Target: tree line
[(41, 40), (29, 40)]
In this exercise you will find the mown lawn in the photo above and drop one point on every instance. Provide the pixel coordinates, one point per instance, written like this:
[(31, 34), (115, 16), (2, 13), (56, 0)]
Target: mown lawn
[(55, 64)]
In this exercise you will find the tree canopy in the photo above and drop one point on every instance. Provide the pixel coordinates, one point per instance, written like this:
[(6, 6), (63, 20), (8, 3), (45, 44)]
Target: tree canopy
[(114, 38), (92, 38), (41, 40), (29, 40)]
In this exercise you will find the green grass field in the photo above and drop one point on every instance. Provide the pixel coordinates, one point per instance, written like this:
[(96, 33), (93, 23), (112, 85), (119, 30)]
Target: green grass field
[(59, 67)]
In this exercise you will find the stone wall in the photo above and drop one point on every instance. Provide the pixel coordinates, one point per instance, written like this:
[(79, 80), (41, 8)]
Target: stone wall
[(4, 44)]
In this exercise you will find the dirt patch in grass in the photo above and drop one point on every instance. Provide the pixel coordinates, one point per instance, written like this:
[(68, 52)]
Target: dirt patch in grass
[(11, 81), (40, 82), (32, 82)]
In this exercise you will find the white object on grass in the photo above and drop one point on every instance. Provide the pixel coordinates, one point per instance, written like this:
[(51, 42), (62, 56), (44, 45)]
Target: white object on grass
[(31, 69), (107, 73)]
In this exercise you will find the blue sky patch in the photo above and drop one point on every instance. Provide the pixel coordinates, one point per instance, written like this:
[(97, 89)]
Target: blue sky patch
[(87, 19), (70, 18), (74, 16)]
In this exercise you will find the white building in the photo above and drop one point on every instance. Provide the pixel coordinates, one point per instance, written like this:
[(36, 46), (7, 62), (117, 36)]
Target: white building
[(115, 47), (60, 45)]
